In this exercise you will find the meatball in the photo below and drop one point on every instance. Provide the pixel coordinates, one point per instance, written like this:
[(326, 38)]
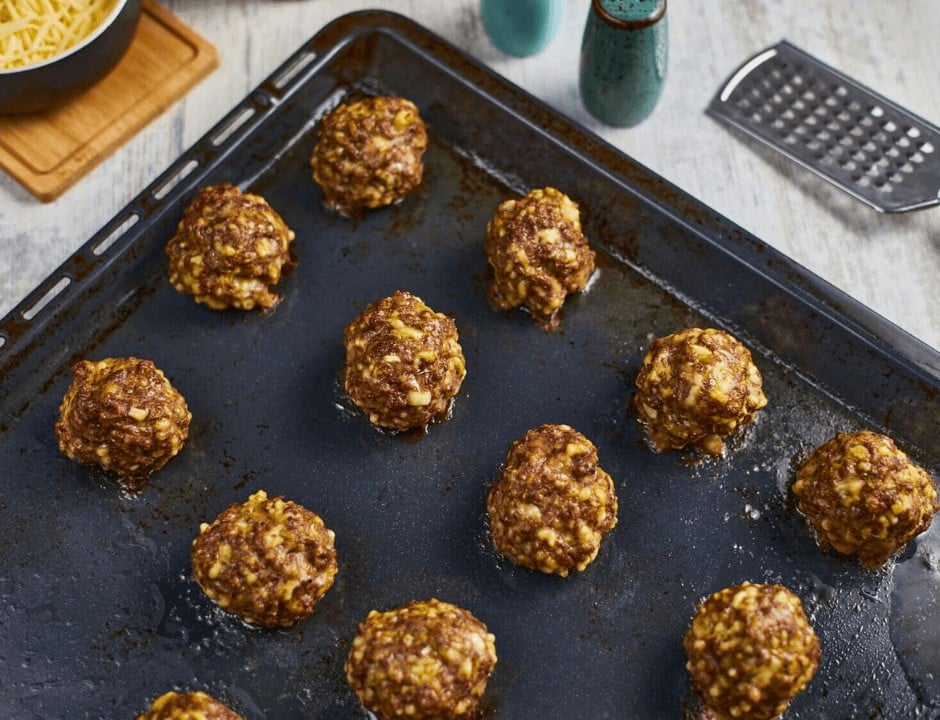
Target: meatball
[(863, 496), (750, 650), (404, 363), (553, 505), (188, 706), (229, 248), (268, 561), (538, 254), (368, 153), (124, 415), (424, 660), (695, 387)]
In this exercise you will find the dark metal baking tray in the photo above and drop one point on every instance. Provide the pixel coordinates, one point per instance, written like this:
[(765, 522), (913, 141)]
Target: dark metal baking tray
[(98, 610)]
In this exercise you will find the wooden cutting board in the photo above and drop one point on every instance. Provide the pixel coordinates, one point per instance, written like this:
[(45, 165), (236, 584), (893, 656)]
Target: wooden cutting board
[(48, 152)]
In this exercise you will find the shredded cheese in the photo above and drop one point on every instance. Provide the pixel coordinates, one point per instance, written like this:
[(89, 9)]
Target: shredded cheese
[(35, 30)]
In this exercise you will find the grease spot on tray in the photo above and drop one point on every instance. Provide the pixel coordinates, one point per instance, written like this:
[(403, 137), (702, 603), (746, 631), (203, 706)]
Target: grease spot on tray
[(915, 609)]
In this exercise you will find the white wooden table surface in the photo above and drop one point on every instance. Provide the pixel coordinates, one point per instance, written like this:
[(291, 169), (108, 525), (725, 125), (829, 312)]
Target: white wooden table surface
[(889, 262)]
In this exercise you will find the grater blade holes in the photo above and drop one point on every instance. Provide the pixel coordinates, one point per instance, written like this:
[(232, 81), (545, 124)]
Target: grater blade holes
[(854, 138)]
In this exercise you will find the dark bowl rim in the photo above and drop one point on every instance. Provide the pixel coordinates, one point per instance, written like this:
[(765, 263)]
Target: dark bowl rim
[(109, 20)]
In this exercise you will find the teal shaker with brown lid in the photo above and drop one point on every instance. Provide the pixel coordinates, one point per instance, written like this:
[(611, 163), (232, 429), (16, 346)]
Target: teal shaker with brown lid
[(624, 55)]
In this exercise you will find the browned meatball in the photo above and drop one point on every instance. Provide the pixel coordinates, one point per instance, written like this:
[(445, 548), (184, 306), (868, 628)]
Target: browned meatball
[(553, 505), (863, 496), (538, 254), (751, 650), (404, 363), (124, 415), (695, 387), (369, 153), (228, 249), (268, 561), (426, 660), (188, 706)]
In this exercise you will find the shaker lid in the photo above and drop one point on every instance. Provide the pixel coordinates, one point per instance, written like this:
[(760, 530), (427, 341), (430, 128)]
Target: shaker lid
[(630, 14)]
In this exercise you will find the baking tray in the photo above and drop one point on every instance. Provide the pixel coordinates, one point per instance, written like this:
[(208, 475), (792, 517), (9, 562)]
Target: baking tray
[(98, 610)]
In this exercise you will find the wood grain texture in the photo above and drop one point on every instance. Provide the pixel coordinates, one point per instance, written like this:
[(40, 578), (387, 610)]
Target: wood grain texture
[(890, 263), (48, 152)]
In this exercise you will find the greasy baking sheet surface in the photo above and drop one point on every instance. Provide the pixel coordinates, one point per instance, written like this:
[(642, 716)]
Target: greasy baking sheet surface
[(98, 609)]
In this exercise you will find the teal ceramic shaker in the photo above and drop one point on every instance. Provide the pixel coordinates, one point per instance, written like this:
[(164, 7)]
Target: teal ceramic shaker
[(624, 54), (522, 27)]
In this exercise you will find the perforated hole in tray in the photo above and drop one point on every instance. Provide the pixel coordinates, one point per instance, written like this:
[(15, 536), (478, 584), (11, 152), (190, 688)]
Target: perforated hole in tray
[(826, 122), (234, 124), (47, 298), (294, 69), (102, 247), (175, 179)]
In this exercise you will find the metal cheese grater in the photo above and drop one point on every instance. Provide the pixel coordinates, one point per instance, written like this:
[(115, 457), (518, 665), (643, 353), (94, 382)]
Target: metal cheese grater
[(856, 139)]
